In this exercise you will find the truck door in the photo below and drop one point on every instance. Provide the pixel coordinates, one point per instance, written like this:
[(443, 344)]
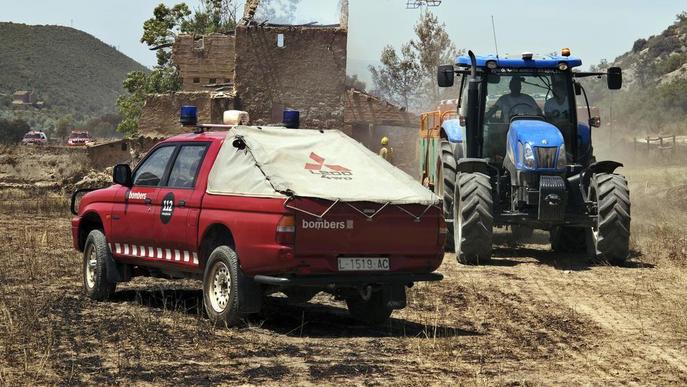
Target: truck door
[(176, 222), (134, 210)]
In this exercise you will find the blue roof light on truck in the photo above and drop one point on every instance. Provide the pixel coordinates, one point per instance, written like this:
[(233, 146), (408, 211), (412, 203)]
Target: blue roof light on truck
[(188, 115)]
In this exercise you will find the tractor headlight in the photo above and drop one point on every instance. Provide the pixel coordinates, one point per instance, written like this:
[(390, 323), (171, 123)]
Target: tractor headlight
[(528, 157), (562, 160)]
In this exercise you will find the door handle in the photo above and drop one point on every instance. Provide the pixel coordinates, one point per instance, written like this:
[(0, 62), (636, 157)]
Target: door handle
[(148, 201), (182, 203)]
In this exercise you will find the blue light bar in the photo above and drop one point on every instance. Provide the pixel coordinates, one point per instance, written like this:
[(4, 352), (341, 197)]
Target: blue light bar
[(188, 115)]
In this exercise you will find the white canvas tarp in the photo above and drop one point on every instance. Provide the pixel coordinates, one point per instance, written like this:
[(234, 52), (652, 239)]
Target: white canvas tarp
[(310, 163)]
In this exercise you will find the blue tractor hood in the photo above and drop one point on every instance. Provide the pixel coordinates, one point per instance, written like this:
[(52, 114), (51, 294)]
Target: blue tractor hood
[(544, 141)]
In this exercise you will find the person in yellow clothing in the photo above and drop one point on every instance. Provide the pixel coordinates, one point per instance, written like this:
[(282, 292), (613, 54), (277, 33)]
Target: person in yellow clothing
[(386, 152)]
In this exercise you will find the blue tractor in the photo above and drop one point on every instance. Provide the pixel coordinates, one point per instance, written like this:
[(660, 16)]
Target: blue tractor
[(519, 155)]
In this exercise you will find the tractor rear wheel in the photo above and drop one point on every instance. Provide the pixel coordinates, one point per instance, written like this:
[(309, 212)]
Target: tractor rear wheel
[(474, 221), (446, 184), (610, 237)]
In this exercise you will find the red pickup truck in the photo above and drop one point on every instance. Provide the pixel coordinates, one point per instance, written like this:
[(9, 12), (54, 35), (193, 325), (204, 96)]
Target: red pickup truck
[(255, 211)]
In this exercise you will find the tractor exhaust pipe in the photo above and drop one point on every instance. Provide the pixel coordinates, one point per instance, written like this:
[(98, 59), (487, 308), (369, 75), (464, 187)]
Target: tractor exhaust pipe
[(473, 134)]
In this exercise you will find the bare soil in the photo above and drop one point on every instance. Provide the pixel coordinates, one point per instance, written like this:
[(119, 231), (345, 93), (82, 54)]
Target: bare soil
[(530, 317)]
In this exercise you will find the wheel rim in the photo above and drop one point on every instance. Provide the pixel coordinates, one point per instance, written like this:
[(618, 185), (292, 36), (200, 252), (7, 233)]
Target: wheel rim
[(90, 264), (220, 287)]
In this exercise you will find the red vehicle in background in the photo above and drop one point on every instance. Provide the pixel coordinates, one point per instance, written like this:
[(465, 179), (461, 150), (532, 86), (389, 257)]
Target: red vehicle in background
[(35, 137), (255, 211), (79, 138)]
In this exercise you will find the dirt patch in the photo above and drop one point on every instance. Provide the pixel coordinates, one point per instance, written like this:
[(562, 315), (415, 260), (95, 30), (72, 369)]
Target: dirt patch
[(530, 317)]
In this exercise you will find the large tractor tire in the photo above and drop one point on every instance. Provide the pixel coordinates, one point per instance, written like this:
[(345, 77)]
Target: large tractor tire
[(474, 224), (610, 237), (446, 184)]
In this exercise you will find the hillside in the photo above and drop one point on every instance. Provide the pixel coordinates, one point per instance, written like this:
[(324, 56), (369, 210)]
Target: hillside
[(70, 70), (654, 95)]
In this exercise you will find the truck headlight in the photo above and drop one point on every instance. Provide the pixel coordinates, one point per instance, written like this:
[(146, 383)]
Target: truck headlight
[(562, 160), (528, 157)]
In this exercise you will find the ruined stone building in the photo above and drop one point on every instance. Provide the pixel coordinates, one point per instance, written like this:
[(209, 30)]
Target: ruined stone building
[(265, 69)]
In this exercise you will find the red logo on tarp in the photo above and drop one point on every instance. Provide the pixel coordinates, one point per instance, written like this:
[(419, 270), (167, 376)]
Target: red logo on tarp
[(320, 163), (334, 171)]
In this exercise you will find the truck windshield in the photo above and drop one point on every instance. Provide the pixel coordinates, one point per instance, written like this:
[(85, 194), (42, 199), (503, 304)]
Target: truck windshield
[(542, 94)]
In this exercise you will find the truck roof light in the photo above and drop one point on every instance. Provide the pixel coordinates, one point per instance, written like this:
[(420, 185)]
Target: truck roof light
[(188, 115), (527, 55), (236, 117), (565, 52)]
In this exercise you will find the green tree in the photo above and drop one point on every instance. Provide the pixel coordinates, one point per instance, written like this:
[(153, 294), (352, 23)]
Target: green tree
[(64, 126), (434, 47), (399, 76), (159, 33), (12, 131)]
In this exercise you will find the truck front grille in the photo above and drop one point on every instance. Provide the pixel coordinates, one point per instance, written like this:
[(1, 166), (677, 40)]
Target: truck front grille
[(546, 156)]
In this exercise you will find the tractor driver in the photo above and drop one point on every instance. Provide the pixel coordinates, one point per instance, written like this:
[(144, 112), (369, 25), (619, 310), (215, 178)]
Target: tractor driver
[(514, 103)]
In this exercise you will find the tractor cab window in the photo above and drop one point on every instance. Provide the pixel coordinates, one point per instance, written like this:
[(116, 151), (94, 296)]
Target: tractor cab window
[(518, 94)]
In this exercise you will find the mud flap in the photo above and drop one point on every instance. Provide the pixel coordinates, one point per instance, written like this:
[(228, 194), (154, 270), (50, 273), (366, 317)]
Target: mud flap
[(116, 272), (250, 296), (395, 296)]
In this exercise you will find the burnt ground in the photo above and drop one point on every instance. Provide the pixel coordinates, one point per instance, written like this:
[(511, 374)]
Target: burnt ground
[(530, 317)]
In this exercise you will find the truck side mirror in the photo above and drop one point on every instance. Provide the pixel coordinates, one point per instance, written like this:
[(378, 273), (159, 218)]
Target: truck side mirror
[(122, 175), (445, 76), (614, 77)]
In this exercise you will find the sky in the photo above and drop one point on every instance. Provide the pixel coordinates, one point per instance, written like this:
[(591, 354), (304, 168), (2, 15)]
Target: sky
[(593, 29)]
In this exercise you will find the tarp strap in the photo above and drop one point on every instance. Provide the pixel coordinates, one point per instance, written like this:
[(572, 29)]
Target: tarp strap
[(320, 216), (417, 218), (369, 217)]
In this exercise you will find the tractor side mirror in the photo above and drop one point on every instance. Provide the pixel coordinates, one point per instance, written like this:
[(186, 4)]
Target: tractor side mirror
[(122, 175), (614, 77), (445, 76), (578, 88)]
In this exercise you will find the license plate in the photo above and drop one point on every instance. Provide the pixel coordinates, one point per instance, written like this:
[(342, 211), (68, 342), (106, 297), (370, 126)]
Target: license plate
[(364, 264)]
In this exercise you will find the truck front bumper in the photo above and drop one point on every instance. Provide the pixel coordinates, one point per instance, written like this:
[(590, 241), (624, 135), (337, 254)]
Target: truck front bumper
[(333, 281)]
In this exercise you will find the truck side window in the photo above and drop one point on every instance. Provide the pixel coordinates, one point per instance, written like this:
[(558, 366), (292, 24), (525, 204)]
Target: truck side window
[(186, 165), (152, 170)]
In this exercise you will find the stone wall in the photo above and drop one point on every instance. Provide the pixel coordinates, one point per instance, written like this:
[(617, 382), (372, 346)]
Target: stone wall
[(160, 116), (361, 107), (206, 60), (307, 74)]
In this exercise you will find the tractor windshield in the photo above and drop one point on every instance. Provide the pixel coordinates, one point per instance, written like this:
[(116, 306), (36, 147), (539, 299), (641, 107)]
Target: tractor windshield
[(511, 94)]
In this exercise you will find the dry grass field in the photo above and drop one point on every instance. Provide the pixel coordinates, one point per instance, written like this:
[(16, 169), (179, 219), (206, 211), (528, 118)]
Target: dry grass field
[(531, 317)]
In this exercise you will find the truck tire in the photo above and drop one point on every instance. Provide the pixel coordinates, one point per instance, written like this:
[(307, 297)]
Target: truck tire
[(475, 219), (221, 287), (567, 239), (447, 189), (95, 257), (373, 311), (610, 237)]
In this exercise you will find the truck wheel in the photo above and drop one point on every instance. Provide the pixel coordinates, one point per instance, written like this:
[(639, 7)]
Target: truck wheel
[(567, 239), (475, 220), (446, 187), (610, 237), (521, 233), (95, 257), (221, 287), (372, 311)]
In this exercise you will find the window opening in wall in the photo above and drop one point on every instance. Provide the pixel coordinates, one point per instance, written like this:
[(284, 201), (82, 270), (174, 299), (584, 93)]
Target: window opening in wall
[(212, 81), (196, 80), (280, 40)]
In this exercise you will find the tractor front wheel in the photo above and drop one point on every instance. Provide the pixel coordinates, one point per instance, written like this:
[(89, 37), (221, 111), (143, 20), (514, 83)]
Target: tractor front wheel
[(474, 220), (610, 236)]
